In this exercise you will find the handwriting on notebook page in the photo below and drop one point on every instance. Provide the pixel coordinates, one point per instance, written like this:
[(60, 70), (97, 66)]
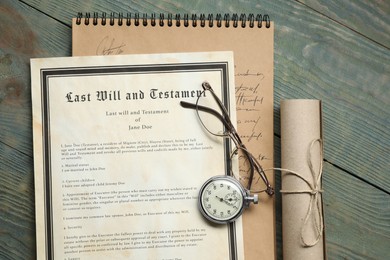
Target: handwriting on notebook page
[(110, 46), (249, 102)]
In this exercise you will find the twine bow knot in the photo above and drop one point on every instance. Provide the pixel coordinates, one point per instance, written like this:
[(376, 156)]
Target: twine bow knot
[(314, 210)]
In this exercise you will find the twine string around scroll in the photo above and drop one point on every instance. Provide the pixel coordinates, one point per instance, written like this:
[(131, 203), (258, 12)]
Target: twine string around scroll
[(314, 210)]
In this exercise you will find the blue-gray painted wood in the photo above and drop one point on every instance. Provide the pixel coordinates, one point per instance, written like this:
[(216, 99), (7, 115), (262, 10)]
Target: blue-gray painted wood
[(336, 51)]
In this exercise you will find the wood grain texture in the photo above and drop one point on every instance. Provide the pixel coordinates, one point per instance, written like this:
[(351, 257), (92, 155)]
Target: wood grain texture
[(371, 19), (25, 34), (17, 221), (316, 58), (322, 51), (357, 217)]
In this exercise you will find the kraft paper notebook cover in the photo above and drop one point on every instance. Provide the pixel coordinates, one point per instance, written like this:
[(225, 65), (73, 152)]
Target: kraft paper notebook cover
[(251, 40)]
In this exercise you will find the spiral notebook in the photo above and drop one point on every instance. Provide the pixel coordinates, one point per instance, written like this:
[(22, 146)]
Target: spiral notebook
[(251, 40)]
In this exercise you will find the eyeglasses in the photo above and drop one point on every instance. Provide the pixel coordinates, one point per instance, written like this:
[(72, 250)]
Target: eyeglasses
[(208, 109)]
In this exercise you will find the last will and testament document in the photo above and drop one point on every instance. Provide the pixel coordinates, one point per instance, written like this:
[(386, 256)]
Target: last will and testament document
[(118, 162)]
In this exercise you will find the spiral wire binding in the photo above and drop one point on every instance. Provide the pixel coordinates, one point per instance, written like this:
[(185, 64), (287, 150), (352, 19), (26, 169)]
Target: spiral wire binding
[(237, 21)]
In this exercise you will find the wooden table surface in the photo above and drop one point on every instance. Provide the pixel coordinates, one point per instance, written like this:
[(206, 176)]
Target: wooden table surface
[(333, 50)]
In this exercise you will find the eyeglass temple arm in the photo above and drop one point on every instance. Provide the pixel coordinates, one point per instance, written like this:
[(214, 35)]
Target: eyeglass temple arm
[(255, 164), (205, 109), (225, 114), (270, 191)]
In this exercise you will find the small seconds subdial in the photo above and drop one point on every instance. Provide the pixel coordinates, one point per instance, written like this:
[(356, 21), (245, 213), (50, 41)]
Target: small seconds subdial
[(231, 198)]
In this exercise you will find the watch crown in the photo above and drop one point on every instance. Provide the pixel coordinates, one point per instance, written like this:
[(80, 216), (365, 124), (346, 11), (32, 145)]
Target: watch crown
[(254, 199)]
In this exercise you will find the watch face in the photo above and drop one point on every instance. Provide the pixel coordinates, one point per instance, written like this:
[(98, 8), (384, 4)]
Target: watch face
[(221, 199)]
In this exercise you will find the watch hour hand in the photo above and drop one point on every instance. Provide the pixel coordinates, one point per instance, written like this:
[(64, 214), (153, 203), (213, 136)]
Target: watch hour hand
[(220, 199)]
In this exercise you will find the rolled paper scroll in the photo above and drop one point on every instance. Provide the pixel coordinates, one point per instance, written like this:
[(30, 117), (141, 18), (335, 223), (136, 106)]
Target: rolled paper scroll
[(302, 215)]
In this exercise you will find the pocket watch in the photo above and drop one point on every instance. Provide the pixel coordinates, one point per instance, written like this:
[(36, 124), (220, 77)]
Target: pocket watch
[(222, 199)]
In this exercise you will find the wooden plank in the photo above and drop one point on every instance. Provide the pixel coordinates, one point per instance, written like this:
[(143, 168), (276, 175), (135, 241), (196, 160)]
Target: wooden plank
[(26, 34), (278, 199), (369, 18), (315, 57), (357, 217), (17, 221)]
